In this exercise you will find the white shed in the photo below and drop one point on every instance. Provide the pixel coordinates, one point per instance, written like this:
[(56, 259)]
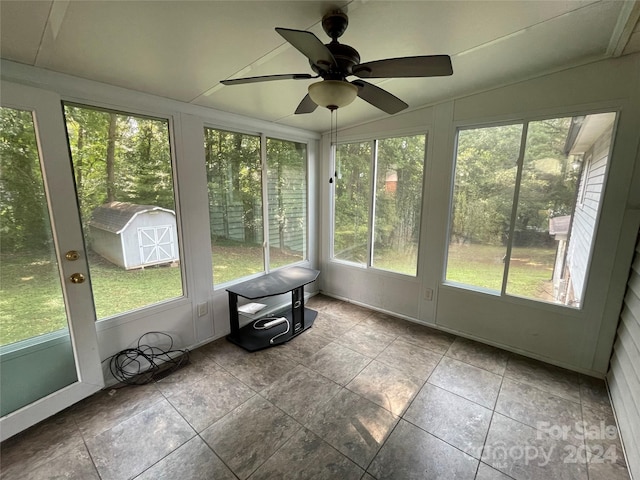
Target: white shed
[(134, 236)]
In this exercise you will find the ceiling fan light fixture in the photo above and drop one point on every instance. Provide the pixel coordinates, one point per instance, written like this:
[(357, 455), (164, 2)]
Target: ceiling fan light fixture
[(333, 94)]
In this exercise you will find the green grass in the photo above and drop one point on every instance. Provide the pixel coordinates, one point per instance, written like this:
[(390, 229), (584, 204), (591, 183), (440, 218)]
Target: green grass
[(31, 296), (32, 305), (31, 301), (482, 266)]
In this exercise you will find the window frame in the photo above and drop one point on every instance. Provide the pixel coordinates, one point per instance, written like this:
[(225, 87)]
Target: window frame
[(373, 165), (170, 117), (263, 137), (525, 120)]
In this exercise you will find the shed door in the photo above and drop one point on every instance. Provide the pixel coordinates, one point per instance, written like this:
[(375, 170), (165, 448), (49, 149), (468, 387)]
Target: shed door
[(156, 244)]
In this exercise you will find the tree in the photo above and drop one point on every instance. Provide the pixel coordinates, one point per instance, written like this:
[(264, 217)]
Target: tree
[(24, 214)]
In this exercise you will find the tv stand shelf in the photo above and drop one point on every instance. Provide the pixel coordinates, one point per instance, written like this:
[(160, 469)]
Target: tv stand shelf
[(299, 318)]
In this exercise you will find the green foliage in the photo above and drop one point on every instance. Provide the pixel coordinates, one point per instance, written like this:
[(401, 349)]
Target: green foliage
[(24, 219), (140, 170), (287, 196), (400, 165), (484, 190), (352, 201)]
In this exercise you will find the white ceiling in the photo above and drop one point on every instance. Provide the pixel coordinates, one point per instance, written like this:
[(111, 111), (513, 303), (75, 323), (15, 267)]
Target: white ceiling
[(182, 49)]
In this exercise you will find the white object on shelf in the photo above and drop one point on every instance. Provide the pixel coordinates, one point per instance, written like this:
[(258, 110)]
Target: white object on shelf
[(251, 308)]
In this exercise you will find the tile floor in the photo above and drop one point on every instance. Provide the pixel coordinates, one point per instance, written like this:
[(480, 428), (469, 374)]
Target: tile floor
[(361, 395)]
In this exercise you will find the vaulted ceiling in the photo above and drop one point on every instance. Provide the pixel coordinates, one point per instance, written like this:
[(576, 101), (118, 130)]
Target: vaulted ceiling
[(182, 49)]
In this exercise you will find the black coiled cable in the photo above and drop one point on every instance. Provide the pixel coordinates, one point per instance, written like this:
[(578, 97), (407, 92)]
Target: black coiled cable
[(143, 364)]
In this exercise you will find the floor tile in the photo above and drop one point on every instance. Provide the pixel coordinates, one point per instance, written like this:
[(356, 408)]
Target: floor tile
[(413, 453), (40, 444), (321, 302), (540, 409), (301, 392), (485, 472), (350, 311), (457, 421), (245, 438), (337, 363), (416, 361), (223, 352), (210, 399), (108, 408), (200, 365), (525, 453), (365, 340), (194, 461), (353, 425), (552, 379), (479, 355), (470, 382), (593, 392), (427, 337), (75, 464), (304, 346), (132, 446), (600, 469), (331, 325), (260, 369), (601, 434), (386, 386), (306, 456), (388, 324)]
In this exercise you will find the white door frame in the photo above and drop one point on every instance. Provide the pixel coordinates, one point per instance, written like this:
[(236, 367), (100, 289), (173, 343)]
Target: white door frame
[(67, 235)]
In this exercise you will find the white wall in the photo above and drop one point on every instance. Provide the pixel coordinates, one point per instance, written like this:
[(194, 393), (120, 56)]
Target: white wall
[(577, 339), (177, 317)]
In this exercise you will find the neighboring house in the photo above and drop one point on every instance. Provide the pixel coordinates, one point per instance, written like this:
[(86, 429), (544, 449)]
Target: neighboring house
[(589, 139), (134, 236)]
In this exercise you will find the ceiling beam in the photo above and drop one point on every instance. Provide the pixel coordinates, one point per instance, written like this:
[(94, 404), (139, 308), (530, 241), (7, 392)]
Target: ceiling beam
[(627, 20)]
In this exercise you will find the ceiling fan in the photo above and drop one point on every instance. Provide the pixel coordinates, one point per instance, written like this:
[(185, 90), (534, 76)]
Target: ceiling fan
[(334, 62)]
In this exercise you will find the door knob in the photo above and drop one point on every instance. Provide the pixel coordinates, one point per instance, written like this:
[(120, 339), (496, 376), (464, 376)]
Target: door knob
[(76, 278), (72, 255)]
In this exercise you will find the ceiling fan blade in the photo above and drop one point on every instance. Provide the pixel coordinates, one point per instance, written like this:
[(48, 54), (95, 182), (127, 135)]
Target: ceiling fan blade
[(268, 78), (379, 98), (310, 46), (306, 105), (421, 66)]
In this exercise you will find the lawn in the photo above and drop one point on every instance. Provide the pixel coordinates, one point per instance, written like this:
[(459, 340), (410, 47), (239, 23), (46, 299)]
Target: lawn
[(31, 302), (530, 270)]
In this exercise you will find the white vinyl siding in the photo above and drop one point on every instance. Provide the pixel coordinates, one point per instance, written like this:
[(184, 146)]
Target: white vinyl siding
[(586, 211), (624, 373)]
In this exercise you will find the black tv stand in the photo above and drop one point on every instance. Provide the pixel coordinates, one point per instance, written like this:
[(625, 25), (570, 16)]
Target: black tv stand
[(254, 336)]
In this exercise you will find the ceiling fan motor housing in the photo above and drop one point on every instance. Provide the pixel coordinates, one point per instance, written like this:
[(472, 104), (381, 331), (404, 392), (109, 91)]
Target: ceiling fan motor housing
[(335, 23), (346, 58)]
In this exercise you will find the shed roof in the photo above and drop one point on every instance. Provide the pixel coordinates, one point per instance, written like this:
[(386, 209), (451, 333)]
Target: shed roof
[(115, 216)]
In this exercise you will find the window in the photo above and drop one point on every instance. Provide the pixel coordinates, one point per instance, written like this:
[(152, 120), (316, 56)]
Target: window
[(236, 210), (235, 204), (516, 225), (352, 202), (388, 239), (486, 167), (124, 182), (287, 195), (31, 294), (398, 203)]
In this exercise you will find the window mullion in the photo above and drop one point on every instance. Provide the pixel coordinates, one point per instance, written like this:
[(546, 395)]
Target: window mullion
[(372, 209), (265, 201), (514, 208)]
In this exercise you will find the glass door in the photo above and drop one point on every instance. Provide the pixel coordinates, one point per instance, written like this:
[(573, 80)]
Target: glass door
[(48, 347)]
